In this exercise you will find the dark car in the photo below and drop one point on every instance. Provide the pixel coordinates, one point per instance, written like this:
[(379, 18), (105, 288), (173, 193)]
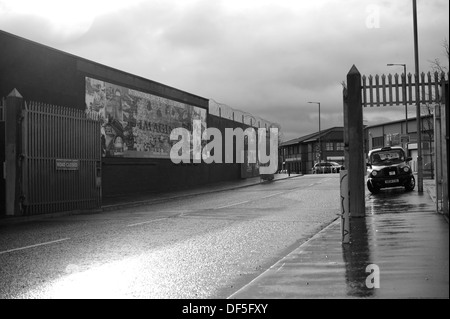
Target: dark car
[(388, 167)]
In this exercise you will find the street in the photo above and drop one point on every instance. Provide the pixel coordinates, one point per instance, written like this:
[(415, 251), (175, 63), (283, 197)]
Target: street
[(206, 246)]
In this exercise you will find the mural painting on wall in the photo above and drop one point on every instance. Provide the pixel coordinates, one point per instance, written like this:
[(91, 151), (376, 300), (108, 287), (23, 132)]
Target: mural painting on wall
[(135, 123)]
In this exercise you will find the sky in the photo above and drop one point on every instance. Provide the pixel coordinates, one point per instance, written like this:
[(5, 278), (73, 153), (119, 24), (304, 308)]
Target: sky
[(266, 57)]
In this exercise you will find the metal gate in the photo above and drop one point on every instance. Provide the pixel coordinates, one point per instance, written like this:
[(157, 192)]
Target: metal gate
[(61, 169), (52, 161)]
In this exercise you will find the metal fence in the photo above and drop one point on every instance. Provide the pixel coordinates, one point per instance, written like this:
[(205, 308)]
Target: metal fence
[(61, 162)]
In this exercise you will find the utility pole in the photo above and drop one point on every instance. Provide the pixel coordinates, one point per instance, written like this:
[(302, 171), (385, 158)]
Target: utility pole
[(418, 117)]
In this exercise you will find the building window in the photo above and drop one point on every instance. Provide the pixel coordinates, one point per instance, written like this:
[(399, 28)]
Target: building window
[(378, 142), (329, 146), (339, 146)]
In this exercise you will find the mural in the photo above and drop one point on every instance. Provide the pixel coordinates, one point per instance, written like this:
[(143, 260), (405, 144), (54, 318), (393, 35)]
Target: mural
[(135, 123)]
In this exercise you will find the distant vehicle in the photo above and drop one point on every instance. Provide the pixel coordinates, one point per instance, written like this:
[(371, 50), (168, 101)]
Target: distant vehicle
[(326, 167), (388, 167), (337, 167)]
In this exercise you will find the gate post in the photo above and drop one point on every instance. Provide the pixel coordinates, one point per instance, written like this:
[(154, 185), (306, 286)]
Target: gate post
[(13, 129), (354, 144)]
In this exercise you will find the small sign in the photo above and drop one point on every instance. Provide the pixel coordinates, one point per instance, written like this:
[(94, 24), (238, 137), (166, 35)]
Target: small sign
[(67, 165)]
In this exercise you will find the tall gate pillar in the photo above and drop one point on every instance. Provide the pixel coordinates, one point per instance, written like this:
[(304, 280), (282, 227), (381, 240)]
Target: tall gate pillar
[(354, 144), (13, 137)]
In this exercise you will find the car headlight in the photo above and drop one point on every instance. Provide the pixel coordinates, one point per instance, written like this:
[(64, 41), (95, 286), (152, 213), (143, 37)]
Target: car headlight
[(406, 169), (374, 173)]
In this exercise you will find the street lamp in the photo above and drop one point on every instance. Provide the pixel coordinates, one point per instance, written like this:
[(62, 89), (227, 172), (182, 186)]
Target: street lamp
[(404, 94), (320, 144)]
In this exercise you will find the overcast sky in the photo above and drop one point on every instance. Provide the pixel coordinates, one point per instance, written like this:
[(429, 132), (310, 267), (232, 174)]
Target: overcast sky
[(266, 57)]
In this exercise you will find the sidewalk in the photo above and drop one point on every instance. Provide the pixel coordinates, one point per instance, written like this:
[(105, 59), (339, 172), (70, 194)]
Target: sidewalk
[(401, 236)]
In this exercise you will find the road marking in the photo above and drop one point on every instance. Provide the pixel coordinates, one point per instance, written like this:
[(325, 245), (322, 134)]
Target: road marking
[(280, 267), (147, 222), (235, 204), (32, 246), (253, 200), (273, 195)]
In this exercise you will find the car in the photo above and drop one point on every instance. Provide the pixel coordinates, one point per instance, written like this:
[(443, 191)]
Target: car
[(337, 167), (388, 167), (326, 167)]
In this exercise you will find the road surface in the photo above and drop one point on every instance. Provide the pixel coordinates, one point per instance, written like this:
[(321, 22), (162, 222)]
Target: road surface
[(205, 246)]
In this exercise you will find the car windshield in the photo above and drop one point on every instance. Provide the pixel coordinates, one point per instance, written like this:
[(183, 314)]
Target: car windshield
[(387, 157)]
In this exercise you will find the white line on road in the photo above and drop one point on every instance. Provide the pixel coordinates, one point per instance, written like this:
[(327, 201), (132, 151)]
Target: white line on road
[(248, 201), (281, 267), (32, 246), (235, 204), (147, 222), (273, 195)]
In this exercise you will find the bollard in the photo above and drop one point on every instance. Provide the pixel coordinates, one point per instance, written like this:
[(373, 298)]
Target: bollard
[(345, 214)]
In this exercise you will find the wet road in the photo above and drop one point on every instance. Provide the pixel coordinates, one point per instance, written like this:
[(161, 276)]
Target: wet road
[(205, 246)]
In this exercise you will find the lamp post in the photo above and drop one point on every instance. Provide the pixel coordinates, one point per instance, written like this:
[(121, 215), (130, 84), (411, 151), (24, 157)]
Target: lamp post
[(418, 118), (404, 94), (320, 144)]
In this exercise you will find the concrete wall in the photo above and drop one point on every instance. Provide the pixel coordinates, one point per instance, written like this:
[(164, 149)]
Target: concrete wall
[(123, 176)]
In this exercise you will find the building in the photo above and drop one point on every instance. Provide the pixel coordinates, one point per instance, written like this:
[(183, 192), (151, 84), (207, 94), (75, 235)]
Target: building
[(395, 134), (300, 154)]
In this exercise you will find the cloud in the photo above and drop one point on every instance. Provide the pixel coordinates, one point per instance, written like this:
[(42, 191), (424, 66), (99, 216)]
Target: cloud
[(265, 57)]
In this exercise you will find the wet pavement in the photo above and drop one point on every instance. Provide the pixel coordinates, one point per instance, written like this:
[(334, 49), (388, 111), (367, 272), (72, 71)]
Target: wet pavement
[(400, 249)]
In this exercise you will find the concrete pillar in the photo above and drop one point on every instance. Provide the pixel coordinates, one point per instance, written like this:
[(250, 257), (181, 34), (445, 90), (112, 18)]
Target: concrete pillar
[(13, 136)]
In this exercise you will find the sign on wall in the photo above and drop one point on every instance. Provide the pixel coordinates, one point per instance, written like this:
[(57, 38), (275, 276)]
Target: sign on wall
[(135, 123)]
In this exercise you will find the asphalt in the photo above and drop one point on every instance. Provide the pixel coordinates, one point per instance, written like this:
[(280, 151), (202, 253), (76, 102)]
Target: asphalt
[(399, 250)]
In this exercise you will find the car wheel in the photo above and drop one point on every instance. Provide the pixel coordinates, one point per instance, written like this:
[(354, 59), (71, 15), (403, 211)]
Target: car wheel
[(411, 184), (373, 189)]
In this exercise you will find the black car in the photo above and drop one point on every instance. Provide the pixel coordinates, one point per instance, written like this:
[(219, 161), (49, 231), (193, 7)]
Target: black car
[(388, 167)]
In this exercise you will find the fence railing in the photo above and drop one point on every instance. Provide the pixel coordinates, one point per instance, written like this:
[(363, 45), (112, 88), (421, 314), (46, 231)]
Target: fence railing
[(400, 90), (226, 111), (61, 165)]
